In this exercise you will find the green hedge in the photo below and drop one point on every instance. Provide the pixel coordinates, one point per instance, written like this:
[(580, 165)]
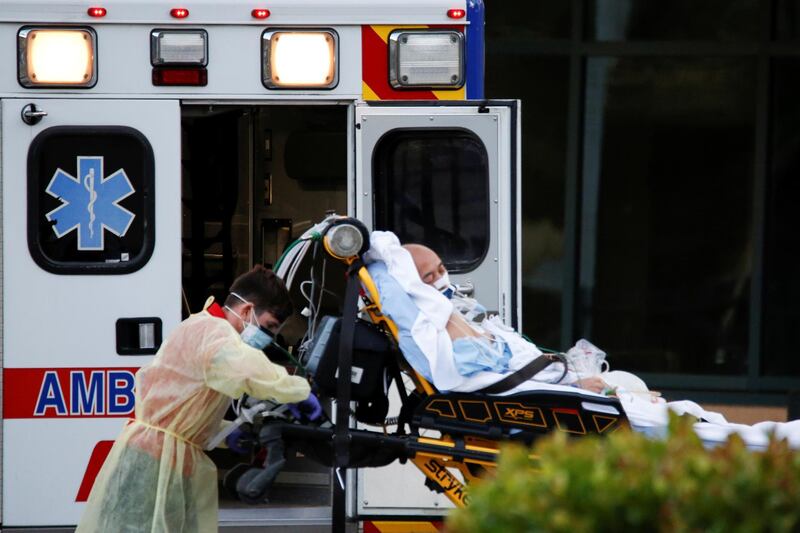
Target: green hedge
[(628, 482)]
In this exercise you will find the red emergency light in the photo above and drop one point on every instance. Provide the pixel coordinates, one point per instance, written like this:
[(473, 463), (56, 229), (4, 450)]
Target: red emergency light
[(456, 13), (179, 12), (260, 13), (96, 12), (167, 76)]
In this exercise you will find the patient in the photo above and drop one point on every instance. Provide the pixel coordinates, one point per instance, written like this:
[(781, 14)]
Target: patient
[(451, 341), (467, 326)]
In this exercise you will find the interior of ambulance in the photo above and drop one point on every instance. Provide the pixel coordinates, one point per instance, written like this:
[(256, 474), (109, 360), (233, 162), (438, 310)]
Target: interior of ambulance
[(254, 179)]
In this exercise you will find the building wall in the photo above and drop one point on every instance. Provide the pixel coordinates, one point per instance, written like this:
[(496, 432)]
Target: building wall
[(660, 161)]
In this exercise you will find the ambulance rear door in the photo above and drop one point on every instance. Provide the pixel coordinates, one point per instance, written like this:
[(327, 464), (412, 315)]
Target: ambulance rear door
[(91, 284), (447, 176)]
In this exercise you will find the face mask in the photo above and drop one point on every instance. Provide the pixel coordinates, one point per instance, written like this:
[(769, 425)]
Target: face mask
[(443, 283), (252, 334), (256, 337)]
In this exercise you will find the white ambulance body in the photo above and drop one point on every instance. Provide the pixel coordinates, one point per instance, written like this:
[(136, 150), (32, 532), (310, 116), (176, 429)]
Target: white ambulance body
[(151, 151)]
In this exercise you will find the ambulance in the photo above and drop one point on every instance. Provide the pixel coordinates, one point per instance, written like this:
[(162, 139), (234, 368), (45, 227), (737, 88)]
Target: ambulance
[(151, 151)]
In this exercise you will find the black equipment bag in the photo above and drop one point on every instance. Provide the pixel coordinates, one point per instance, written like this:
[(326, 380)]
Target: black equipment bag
[(372, 354)]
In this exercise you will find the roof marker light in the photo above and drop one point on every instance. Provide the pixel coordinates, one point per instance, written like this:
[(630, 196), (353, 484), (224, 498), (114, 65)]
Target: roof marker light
[(96, 12), (260, 13), (179, 12), (456, 13)]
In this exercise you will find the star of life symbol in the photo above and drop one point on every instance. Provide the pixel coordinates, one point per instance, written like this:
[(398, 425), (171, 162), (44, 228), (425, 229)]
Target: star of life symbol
[(90, 203)]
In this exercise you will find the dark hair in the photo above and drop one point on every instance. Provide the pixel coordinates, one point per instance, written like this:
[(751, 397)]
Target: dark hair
[(265, 290)]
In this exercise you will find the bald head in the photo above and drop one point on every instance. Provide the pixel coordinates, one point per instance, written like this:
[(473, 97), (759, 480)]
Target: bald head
[(429, 264)]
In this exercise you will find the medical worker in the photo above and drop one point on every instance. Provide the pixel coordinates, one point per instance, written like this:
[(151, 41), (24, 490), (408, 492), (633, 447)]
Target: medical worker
[(157, 477)]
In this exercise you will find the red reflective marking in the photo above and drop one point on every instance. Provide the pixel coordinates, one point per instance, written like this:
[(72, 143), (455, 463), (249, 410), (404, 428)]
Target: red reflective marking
[(21, 388), (375, 69), (97, 12), (20, 391), (260, 13), (98, 457), (179, 13), (566, 411), (392, 525), (456, 13), (180, 76)]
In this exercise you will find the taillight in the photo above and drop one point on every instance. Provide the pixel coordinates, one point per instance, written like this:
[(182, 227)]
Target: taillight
[(166, 76)]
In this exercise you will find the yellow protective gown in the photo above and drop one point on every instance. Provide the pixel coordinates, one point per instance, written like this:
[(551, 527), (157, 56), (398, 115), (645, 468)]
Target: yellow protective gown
[(157, 477)]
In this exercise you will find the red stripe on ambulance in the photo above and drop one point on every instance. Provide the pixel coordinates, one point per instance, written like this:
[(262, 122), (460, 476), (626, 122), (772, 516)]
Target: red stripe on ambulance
[(375, 69), (68, 392), (99, 454)]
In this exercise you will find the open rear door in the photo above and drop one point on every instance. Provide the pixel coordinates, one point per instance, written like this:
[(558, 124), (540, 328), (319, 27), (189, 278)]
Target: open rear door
[(446, 176), (90, 285)]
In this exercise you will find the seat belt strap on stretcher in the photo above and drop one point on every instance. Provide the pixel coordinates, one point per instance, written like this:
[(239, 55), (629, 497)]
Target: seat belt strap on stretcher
[(524, 374)]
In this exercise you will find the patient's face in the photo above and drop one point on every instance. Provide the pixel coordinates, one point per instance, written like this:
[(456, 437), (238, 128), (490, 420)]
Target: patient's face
[(429, 265)]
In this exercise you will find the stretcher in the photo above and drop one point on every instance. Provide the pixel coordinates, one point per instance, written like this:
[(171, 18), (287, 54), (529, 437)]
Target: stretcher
[(363, 343)]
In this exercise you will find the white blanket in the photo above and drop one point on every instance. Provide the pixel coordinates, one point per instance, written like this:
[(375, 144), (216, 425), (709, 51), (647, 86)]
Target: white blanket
[(645, 412), (429, 329)]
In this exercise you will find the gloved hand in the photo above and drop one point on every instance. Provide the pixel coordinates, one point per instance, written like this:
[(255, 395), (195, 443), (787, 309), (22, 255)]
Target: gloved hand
[(310, 408), (236, 443)]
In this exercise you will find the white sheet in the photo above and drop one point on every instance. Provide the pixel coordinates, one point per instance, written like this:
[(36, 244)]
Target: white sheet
[(643, 410), (429, 329)]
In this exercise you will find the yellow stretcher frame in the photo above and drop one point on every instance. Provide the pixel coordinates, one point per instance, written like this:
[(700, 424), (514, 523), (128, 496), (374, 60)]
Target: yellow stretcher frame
[(441, 459), (437, 466)]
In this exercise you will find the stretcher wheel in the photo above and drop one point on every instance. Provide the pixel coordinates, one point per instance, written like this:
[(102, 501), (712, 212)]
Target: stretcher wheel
[(232, 476), (254, 484)]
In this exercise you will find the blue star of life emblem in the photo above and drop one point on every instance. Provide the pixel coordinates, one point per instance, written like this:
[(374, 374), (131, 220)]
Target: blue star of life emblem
[(90, 203)]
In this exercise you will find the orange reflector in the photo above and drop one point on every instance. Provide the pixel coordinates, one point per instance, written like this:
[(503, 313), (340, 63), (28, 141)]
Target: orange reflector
[(197, 77), (97, 12), (179, 13), (456, 13), (260, 13)]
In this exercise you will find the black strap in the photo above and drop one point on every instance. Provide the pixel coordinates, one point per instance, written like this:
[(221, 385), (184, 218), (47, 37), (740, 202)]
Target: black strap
[(394, 372), (524, 374), (345, 365), (341, 437)]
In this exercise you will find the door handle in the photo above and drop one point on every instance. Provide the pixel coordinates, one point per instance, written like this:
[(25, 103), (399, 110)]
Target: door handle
[(138, 336), (32, 115)]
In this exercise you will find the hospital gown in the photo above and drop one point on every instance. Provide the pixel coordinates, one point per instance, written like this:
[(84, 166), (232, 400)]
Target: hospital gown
[(157, 477)]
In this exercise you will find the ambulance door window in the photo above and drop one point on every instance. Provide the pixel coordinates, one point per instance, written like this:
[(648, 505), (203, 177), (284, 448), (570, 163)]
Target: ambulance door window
[(432, 187), (90, 200)]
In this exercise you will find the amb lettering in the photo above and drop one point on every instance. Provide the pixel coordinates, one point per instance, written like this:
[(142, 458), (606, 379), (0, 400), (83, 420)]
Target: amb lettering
[(447, 480), (82, 393)]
